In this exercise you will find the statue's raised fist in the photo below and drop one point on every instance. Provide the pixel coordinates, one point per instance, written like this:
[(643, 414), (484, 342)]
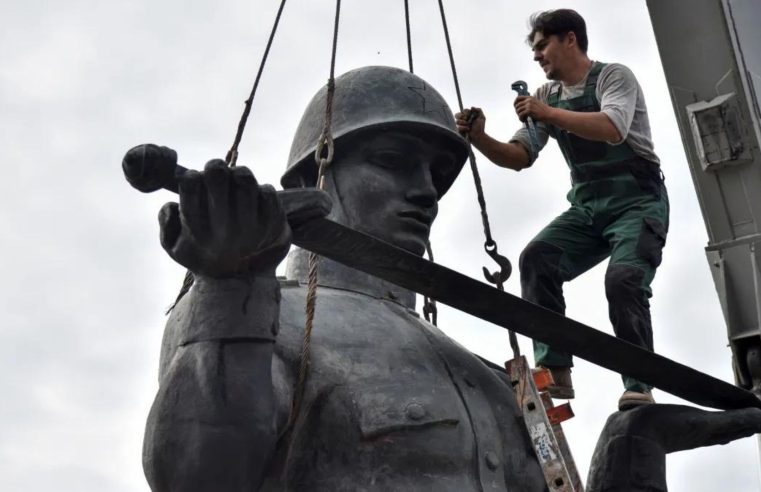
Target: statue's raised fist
[(225, 224)]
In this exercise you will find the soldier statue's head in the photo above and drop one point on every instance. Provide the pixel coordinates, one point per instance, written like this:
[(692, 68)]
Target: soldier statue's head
[(396, 153)]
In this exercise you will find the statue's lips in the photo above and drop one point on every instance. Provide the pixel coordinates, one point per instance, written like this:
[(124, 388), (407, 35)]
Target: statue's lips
[(416, 218)]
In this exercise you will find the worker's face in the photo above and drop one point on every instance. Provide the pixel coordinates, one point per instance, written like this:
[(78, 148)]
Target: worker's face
[(552, 53), (383, 182)]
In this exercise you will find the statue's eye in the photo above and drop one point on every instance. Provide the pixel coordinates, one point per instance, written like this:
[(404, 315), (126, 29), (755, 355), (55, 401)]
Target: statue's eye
[(388, 159)]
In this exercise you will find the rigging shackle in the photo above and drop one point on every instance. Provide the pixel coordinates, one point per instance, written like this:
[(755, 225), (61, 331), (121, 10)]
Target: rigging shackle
[(505, 267), (324, 146)]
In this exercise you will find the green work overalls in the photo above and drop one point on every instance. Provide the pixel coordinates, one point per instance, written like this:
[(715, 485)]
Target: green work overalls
[(619, 209)]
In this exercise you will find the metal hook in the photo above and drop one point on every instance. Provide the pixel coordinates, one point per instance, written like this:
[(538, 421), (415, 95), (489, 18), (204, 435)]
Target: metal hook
[(505, 267)]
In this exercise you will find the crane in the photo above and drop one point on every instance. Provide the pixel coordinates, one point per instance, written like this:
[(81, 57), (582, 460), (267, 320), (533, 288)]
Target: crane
[(712, 62)]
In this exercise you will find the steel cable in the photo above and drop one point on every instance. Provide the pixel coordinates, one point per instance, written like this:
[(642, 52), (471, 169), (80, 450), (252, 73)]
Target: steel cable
[(489, 245), (430, 311), (409, 36), (232, 155)]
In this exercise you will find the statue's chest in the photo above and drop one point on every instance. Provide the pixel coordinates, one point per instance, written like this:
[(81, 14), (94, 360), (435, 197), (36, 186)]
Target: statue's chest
[(389, 405)]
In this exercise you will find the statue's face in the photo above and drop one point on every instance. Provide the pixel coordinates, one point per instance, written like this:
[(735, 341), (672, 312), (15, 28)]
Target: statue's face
[(383, 182)]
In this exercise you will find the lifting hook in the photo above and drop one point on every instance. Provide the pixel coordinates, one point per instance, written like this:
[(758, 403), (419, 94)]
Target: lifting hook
[(505, 267)]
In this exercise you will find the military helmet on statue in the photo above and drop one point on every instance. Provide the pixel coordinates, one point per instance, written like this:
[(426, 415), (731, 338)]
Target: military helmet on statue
[(375, 98)]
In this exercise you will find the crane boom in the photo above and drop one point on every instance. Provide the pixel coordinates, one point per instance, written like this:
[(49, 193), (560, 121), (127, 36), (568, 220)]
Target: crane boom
[(711, 55)]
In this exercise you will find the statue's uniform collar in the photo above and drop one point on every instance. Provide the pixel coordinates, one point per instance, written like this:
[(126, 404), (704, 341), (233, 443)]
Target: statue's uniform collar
[(337, 276)]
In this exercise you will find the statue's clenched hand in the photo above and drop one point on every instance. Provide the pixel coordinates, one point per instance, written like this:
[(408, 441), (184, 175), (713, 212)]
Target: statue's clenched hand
[(226, 224)]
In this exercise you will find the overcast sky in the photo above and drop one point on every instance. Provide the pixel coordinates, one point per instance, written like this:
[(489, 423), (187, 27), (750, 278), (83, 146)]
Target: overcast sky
[(86, 281)]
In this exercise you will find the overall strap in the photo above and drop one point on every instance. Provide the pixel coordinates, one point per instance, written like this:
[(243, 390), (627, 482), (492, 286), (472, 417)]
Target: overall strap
[(554, 94), (556, 90), (594, 74)]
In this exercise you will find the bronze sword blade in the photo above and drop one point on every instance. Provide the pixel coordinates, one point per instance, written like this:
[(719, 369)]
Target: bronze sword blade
[(376, 257)]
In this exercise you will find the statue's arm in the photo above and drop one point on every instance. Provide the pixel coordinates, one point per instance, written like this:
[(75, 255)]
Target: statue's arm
[(631, 452), (212, 424)]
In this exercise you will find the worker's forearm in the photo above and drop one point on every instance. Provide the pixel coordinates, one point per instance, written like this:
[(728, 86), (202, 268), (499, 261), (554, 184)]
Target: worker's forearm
[(511, 155), (592, 126)]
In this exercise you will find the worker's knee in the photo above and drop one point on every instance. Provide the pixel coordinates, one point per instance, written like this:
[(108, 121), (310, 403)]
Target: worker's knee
[(624, 283), (540, 259)]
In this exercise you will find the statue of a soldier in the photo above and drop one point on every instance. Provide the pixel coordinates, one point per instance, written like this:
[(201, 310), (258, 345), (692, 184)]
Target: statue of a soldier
[(390, 402)]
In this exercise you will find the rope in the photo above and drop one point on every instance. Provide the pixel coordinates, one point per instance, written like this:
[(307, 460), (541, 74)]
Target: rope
[(430, 311), (325, 143), (409, 36), (489, 245), (232, 154)]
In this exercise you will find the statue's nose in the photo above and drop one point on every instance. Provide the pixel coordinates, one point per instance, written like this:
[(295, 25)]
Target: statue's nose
[(422, 192)]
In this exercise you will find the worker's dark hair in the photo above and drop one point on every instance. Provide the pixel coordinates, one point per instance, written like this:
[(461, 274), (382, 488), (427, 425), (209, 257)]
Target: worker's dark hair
[(559, 22)]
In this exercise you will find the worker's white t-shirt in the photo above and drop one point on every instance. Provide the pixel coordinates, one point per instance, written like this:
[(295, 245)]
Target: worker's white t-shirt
[(620, 98)]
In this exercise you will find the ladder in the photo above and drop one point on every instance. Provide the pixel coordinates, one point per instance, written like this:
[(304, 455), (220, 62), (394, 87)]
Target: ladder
[(543, 419)]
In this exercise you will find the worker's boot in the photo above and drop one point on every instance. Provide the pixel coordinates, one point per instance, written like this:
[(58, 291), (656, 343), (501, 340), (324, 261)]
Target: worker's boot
[(562, 387), (631, 399)]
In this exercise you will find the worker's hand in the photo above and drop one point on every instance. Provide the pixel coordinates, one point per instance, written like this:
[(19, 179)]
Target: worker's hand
[(471, 122), (226, 224), (527, 106)]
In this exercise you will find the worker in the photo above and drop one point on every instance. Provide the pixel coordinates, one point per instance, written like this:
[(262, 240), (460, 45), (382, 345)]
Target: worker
[(619, 206)]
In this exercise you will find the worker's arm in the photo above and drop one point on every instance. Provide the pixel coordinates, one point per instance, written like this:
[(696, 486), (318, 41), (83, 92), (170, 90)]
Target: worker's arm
[(618, 92), (512, 155), (591, 126)]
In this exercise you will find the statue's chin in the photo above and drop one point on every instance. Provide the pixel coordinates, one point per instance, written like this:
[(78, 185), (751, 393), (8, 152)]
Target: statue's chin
[(413, 241), (414, 245)]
